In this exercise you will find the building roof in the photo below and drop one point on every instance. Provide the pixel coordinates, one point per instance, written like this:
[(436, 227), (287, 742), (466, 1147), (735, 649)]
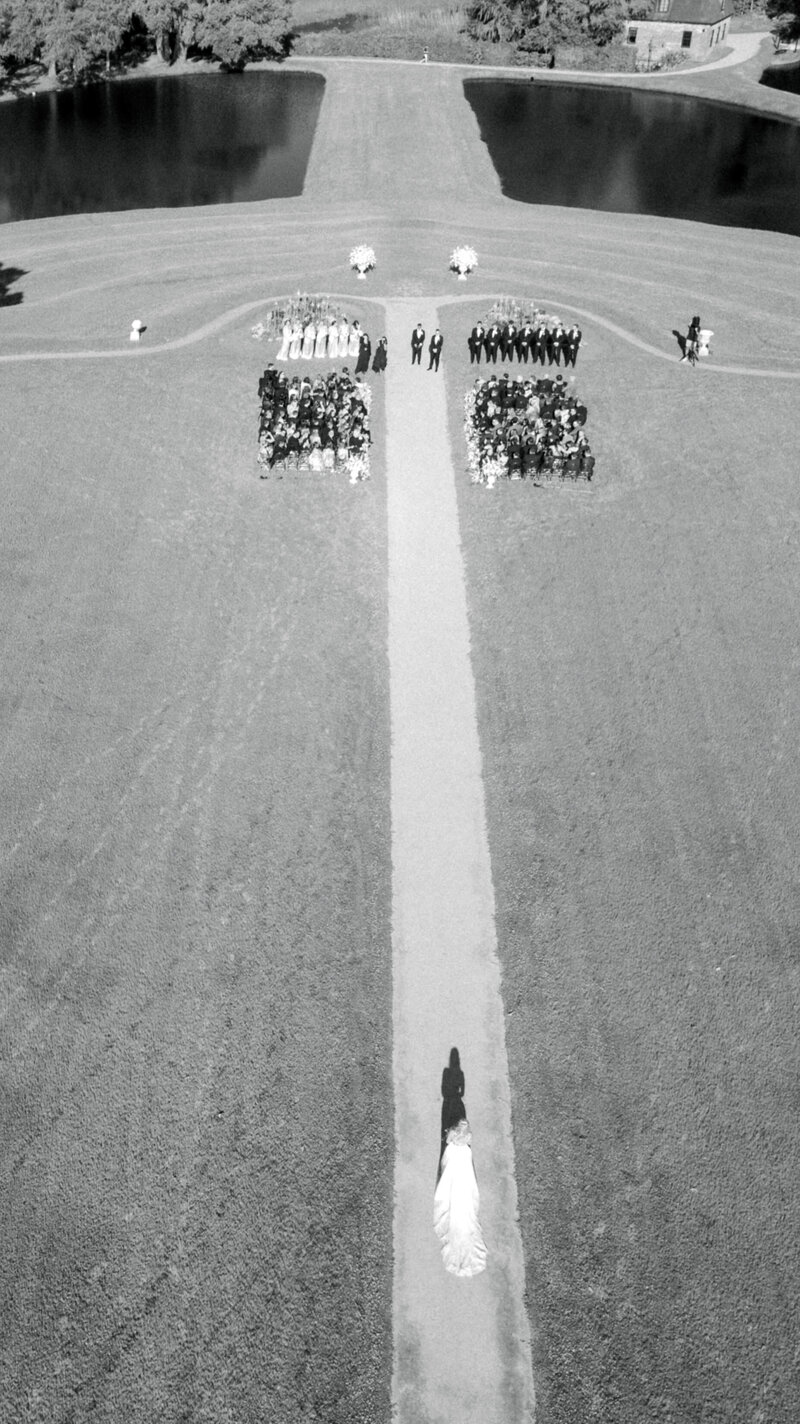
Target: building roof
[(689, 12)]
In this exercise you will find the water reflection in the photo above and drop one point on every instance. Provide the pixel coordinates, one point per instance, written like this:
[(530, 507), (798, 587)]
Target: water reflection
[(782, 76), (150, 143), (624, 150)]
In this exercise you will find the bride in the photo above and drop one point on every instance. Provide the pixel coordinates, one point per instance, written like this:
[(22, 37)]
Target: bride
[(283, 354), (455, 1206)]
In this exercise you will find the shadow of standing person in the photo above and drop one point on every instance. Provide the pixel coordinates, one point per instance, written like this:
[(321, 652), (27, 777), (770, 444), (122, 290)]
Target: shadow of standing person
[(453, 1109), (9, 275)]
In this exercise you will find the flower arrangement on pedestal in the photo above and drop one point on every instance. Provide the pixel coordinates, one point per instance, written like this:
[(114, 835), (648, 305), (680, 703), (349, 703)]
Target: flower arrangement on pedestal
[(362, 259), (462, 261)]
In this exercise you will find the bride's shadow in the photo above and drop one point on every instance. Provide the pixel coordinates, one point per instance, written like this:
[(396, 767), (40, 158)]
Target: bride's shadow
[(453, 1108)]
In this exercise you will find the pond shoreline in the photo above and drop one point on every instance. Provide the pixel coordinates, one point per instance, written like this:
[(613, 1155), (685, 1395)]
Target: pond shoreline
[(713, 80)]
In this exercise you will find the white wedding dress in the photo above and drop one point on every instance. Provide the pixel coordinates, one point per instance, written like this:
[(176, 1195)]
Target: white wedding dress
[(283, 354), (455, 1207)]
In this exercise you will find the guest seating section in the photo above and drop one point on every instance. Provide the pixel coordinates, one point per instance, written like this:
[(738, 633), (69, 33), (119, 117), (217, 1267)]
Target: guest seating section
[(315, 425), (521, 428)]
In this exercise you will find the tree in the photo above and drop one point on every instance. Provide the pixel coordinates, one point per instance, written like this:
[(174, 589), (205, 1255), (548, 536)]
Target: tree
[(24, 36), (101, 25), (172, 23), (785, 16), (6, 21), (236, 31), (501, 21), (606, 20), (537, 26)]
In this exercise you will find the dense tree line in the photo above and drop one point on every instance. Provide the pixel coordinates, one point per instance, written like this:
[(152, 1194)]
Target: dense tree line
[(537, 26), (785, 17), (73, 38)]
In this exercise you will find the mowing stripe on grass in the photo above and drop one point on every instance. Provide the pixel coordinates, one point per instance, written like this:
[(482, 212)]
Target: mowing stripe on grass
[(462, 1346)]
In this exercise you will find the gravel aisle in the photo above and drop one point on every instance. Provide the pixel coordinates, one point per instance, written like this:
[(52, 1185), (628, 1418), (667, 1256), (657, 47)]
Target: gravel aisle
[(461, 1346)]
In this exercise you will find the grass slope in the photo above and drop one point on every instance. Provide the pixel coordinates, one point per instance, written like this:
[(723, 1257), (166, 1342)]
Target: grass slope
[(197, 1144), (197, 1137), (632, 645)]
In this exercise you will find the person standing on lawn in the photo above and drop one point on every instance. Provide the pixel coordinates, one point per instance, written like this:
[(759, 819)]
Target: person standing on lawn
[(573, 342), (417, 343), (476, 340)]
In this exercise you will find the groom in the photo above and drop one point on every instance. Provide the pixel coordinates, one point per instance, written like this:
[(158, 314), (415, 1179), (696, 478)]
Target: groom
[(417, 343)]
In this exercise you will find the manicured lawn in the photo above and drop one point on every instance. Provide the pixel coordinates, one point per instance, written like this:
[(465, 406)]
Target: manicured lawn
[(632, 645), (197, 1129), (197, 1136)]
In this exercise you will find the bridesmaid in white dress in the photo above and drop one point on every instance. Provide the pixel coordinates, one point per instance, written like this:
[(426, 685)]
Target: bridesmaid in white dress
[(333, 339), (455, 1207), (283, 354), (297, 341), (322, 339), (354, 341), (309, 340), (344, 337)]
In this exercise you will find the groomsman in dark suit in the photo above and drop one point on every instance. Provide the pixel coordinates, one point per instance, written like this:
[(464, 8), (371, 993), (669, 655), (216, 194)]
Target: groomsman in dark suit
[(435, 350), (417, 343), (476, 340), (573, 342), (524, 341), (554, 347), (493, 337), (508, 340), (539, 347)]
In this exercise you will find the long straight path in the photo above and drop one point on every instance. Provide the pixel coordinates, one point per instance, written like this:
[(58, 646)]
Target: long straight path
[(461, 1345), (416, 141)]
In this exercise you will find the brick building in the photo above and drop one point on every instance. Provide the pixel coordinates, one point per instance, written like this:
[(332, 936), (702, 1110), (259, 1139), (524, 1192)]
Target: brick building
[(689, 27)]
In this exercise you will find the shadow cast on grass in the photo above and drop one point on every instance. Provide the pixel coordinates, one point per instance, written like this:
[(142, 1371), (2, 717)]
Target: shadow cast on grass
[(8, 276)]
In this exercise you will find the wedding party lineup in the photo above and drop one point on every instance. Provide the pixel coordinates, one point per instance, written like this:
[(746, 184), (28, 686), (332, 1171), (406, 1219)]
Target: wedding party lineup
[(516, 427)]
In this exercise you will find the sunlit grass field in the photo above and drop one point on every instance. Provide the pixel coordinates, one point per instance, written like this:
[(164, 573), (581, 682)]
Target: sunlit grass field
[(197, 1145)]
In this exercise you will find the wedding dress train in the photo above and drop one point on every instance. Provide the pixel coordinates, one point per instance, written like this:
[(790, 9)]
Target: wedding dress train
[(455, 1207)]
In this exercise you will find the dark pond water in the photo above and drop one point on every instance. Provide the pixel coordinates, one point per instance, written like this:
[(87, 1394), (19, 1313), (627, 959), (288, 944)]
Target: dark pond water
[(172, 142), (782, 76), (625, 151)]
